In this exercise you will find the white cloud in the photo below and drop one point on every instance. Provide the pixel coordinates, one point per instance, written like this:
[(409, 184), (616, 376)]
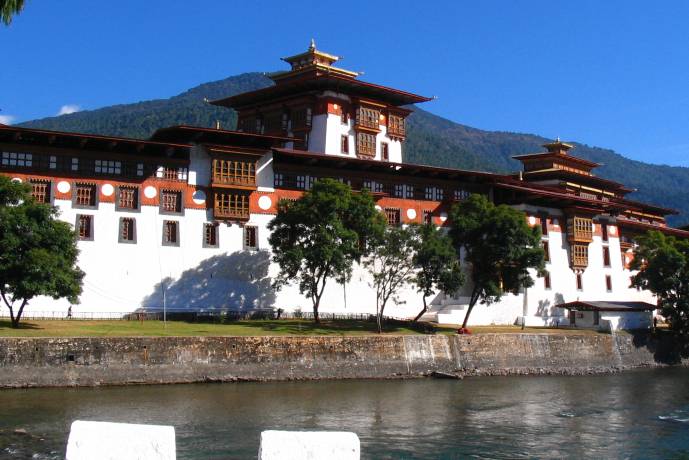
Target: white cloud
[(68, 108), (6, 119)]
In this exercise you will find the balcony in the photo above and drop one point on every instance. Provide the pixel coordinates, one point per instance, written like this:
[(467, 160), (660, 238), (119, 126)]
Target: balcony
[(239, 174), (579, 256), (579, 230), (231, 206)]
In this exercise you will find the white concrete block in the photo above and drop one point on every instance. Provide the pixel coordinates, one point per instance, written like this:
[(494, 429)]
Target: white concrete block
[(309, 445), (120, 441)]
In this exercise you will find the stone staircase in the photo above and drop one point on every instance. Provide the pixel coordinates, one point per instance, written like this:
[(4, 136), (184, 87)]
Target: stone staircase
[(446, 310)]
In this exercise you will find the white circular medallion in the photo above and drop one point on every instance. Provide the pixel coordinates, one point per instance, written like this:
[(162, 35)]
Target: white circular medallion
[(443, 216), (199, 197), (612, 230), (411, 214), (532, 220), (378, 208), (63, 186), (107, 189), (150, 192), (17, 180), (264, 202)]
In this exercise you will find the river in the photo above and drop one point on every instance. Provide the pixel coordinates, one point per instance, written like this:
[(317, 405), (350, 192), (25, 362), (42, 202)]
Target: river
[(637, 414)]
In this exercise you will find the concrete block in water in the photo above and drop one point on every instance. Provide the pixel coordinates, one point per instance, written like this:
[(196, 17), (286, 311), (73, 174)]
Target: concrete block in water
[(311, 445), (120, 441)]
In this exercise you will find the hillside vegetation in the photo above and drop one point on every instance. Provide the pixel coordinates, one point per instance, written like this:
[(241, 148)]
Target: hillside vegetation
[(432, 140)]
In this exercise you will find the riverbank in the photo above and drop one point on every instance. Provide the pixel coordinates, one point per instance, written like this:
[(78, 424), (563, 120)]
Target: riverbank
[(94, 361)]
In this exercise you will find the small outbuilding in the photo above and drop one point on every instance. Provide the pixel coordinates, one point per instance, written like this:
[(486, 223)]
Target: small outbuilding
[(610, 315)]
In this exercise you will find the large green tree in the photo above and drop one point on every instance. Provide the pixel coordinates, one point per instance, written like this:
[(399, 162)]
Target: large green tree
[(391, 264), (497, 246), (663, 268), (9, 8), (321, 235), (38, 253), (437, 265)]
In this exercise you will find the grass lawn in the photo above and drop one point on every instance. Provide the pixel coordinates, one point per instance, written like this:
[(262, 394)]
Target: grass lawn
[(85, 328)]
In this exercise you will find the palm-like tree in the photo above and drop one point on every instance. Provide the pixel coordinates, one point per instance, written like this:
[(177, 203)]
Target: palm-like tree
[(9, 8)]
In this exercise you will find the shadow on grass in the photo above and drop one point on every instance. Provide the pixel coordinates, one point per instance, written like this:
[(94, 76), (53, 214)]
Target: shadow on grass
[(7, 324)]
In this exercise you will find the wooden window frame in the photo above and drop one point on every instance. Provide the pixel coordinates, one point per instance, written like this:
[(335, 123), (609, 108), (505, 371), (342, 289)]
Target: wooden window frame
[(366, 144), (546, 250), (78, 195), (547, 284), (121, 237), (608, 283), (606, 256), (84, 233), (393, 216), (42, 190), (234, 172), (231, 205), (344, 143), (385, 151), (119, 190), (170, 228), (251, 235), (579, 282), (211, 235), (164, 193)]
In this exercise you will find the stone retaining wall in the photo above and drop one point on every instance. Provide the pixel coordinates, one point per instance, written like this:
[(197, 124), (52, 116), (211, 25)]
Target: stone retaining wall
[(29, 362)]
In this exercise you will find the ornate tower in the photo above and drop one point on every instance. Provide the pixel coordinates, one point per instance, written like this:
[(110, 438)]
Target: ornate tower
[(327, 109)]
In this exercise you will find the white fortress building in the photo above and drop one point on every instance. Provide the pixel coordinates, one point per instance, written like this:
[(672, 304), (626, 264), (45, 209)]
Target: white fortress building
[(179, 221)]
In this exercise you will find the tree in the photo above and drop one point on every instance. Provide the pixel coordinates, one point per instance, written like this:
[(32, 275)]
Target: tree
[(498, 247), (663, 268), (9, 8), (38, 253), (437, 265), (321, 235), (391, 264)]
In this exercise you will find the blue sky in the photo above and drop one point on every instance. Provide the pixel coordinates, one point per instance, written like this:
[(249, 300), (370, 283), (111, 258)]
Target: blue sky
[(607, 73)]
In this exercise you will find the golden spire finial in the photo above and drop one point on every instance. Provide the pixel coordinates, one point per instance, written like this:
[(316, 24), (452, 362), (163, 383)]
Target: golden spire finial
[(312, 46)]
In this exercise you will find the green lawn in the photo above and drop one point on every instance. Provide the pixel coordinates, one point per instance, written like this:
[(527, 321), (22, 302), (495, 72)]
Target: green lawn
[(79, 328)]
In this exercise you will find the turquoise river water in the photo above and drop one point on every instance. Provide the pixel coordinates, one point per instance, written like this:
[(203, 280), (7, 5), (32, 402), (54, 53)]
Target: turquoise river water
[(638, 414)]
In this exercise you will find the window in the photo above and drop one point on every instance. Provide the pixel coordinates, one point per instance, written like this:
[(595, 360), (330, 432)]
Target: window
[(580, 282), (127, 232), (171, 201), (604, 231), (344, 144), (427, 216), (608, 283), (367, 117), (127, 198), (546, 250), (75, 164), (278, 180), (384, 152), (250, 237), (108, 167), (234, 172), (52, 163), (84, 227), (461, 194), (231, 205), (171, 173), (544, 225), (301, 182), (17, 159), (84, 195), (434, 193), (40, 190), (210, 235), (372, 186), (606, 256), (395, 125), (580, 254), (546, 280), (170, 233), (344, 116), (366, 144), (398, 190), (392, 215), (139, 169)]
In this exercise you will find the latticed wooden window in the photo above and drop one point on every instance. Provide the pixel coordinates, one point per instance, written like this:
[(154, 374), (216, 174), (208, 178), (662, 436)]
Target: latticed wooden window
[(84, 226), (344, 144), (251, 237), (231, 205), (170, 232), (170, 173), (40, 190), (368, 117), (427, 216), (583, 228), (580, 255), (384, 152), (234, 172), (210, 235), (85, 194), (171, 201), (366, 144), (396, 125), (128, 198), (392, 215), (127, 229)]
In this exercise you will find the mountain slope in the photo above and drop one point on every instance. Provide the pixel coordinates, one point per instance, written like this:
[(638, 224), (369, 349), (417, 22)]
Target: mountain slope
[(431, 140)]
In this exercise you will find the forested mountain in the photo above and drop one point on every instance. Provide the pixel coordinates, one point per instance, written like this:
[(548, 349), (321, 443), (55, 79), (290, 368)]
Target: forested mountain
[(431, 140)]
